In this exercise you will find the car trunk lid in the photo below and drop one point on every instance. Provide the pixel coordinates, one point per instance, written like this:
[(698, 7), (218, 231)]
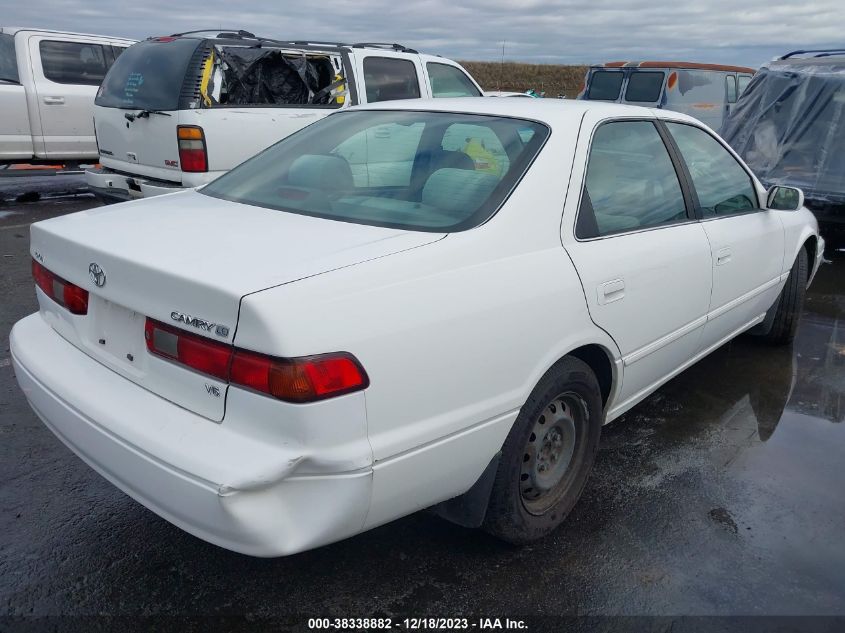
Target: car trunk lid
[(187, 259)]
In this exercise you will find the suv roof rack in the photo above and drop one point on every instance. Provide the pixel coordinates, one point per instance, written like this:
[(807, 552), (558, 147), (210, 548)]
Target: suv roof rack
[(820, 52), (233, 33), (392, 46), (314, 43)]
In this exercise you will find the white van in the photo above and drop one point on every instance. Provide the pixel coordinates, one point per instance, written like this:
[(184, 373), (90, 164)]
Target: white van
[(706, 91), (178, 111), (48, 80)]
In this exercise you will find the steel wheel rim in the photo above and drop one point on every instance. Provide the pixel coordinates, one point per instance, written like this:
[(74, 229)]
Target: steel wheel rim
[(551, 451)]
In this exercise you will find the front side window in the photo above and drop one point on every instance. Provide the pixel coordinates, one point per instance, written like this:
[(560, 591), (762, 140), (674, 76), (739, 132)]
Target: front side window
[(410, 170), (743, 81), (448, 81), (631, 182), (644, 87), (722, 185), (731, 88), (389, 78), (73, 62), (605, 85), (8, 59)]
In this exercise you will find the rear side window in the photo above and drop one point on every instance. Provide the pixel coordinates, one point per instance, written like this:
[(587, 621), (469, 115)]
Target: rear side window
[(722, 185), (8, 59), (631, 182), (148, 75), (644, 87), (73, 62), (388, 78), (448, 81), (605, 85), (116, 51)]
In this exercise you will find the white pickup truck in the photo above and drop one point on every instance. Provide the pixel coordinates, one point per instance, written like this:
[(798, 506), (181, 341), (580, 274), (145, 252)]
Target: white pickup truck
[(48, 80), (178, 111)]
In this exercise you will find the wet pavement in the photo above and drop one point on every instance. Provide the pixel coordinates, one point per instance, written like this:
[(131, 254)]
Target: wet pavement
[(721, 494)]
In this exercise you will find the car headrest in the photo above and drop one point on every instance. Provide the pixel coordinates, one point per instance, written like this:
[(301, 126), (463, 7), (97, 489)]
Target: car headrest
[(320, 171), (442, 159), (453, 189)]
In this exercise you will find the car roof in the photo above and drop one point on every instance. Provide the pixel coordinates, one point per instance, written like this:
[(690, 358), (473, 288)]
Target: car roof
[(680, 65), (11, 30), (549, 111)]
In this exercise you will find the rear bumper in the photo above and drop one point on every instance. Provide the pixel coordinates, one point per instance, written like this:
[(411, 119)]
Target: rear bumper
[(237, 492), (111, 186)]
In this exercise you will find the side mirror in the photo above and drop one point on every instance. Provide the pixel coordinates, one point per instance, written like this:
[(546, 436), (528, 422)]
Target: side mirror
[(782, 198)]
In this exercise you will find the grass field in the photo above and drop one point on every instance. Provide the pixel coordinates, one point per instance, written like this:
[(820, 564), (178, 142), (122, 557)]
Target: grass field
[(554, 79)]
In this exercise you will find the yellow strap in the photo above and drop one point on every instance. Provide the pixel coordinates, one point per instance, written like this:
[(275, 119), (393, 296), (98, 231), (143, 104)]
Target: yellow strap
[(206, 76)]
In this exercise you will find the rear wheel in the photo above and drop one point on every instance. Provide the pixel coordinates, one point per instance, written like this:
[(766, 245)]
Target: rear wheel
[(548, 454), (790, 303)]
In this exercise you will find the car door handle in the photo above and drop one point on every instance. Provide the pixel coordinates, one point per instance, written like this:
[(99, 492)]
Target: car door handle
[(723, 256), (54, 100), (611, 291)]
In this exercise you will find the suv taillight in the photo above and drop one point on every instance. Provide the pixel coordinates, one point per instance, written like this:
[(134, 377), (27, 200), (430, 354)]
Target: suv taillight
[(299, 380), (193, 156), (66, 294)]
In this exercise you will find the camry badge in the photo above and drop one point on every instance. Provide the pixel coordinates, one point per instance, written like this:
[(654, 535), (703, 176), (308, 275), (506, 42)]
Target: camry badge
[(201, 324), (97, 274)]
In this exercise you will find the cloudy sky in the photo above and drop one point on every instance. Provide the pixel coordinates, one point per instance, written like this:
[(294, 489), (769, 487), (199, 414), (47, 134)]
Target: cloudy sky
[(745, 32)]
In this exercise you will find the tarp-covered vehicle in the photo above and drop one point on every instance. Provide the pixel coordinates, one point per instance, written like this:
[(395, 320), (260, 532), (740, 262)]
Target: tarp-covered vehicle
[(789, 126)]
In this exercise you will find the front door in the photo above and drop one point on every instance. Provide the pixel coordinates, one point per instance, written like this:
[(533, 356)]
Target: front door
[(643, 259)]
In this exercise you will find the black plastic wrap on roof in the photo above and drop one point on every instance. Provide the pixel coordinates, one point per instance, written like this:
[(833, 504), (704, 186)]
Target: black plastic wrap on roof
[(256, 76), (789, 126)]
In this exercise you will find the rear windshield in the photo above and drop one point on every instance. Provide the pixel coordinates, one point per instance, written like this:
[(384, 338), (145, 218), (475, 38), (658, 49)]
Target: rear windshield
[(8, 60), (148, 75), (421, 171), (605, 85), (644, 87)]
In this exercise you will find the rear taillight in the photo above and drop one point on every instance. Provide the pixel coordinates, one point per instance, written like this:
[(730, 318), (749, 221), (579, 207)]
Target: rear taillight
[(66, 294), (193, 156), (299, 380), (196, 352)]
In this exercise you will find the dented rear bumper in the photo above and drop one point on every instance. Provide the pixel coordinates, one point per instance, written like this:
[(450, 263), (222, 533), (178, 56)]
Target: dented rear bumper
[(226, 484)]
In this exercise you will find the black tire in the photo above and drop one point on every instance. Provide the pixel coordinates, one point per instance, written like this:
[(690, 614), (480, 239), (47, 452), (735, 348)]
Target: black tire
[(790, 303), (524, 509)]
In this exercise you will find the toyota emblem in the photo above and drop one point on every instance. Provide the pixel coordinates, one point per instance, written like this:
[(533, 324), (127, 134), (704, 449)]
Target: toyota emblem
[(98, 275)]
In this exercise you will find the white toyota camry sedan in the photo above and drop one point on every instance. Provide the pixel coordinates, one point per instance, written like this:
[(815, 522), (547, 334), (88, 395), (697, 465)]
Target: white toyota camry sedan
[(403, 306)]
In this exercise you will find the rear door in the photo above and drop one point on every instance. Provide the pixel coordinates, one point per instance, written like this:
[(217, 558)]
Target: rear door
[(643, 259), (67, 71), (390, 77), (644, 87), (604, 84), (746, 241)]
